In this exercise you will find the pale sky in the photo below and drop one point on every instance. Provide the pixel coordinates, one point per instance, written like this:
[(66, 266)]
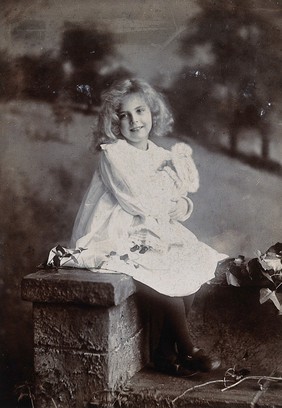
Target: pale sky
[(134, 22), (146, 31)]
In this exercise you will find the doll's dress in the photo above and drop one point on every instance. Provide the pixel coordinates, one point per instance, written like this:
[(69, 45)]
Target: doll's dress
[(123, 224)]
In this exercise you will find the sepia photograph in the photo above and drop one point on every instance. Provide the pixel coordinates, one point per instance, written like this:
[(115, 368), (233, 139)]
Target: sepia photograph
[(141, 203)]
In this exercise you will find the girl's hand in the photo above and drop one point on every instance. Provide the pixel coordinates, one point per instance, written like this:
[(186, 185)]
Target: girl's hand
[(179, 210)]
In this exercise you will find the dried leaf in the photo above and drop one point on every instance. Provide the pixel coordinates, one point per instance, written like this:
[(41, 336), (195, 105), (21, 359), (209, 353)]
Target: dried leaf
[(56, 260), (267, 294), (74, 259), (231, 279), (79, 250), (267, 276), (59, 248), (124, 257)]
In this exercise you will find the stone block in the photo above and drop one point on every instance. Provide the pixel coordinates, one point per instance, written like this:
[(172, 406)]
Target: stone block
[(129, 358), (68, 377), (76, 327), (90, 336), (125, 320), (77, 286), (82, 327), (73, 378)]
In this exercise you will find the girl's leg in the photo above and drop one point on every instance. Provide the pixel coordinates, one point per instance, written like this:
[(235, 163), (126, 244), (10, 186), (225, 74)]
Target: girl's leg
[(188, 302), (167, 341), (174, 333), (174, 329), (175, 323), (174, 337), (190, 357)]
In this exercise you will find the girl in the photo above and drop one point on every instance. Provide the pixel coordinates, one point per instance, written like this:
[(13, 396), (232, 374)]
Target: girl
[(129, 220)]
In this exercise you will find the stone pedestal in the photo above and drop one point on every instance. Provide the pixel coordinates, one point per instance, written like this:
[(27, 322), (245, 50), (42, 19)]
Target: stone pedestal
[(90, 336)]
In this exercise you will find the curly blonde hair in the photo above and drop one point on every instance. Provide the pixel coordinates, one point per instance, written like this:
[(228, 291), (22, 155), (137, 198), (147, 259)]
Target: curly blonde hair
[(109, 122)]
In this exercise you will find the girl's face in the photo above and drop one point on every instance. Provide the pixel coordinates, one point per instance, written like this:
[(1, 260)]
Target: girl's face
[(135, 120)]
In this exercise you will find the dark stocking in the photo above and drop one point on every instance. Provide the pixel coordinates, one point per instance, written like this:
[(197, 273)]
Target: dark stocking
[(174, 331), (175, 328), (167, 342)]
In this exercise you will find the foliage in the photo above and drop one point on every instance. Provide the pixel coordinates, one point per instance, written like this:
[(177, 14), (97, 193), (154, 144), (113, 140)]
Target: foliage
[(232, 69), (7, 87), (62, 256), (263, 272), (41, 76), (72, 79)]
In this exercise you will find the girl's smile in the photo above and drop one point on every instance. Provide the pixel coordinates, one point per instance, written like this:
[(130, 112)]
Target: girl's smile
[(135, 120)]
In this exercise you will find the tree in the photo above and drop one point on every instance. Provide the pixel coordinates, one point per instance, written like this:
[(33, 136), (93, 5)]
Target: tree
[(86, 53), (40, 76), (231, 74)]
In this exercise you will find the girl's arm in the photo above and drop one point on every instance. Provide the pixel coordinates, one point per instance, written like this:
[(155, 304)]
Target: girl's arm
[(119, 176), (182, 210)]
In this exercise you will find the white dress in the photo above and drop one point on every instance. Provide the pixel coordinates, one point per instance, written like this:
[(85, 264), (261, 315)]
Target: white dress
[(123, 223)]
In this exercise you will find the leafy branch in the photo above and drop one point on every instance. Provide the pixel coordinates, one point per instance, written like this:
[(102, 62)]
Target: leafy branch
[(62, 256)]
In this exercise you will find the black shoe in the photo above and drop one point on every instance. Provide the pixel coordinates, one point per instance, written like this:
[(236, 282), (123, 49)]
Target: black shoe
[(198, 361), (170, 365)]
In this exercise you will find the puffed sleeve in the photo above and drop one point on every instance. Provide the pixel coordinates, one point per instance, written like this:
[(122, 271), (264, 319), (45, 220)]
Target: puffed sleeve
[(185, 167), (118, 175)]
